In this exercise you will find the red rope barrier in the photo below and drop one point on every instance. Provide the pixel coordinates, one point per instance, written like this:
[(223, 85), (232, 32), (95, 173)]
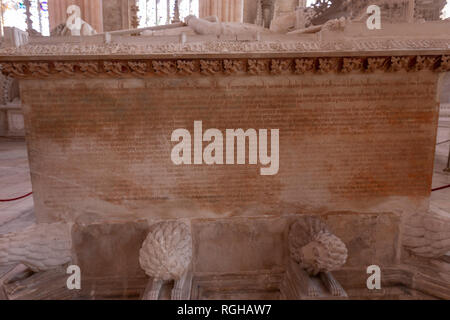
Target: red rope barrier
[(441, 188), (18, 198)]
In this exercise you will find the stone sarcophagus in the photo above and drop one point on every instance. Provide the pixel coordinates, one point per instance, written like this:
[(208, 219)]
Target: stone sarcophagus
[(240, 162)]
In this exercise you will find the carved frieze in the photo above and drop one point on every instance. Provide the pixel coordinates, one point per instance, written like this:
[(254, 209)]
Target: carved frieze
[(352, 65), (204, 67), (187, 66), (280, 66), (115, 68), (304, 65), (88, 68), (164, 68), (65, 68), (210, 67), (233, 66), (258, 66)]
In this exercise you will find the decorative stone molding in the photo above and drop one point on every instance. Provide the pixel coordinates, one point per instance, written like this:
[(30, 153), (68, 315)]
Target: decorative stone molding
[(304, 65), (427, 234), (207, 67), (166, 255), (266, 45), (40, 247), (233, 66)]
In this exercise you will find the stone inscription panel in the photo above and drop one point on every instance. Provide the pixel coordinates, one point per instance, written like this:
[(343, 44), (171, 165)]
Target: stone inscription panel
[(101, 149)]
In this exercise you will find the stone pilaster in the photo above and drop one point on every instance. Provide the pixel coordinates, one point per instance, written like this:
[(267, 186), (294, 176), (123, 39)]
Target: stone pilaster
[(226, 10)]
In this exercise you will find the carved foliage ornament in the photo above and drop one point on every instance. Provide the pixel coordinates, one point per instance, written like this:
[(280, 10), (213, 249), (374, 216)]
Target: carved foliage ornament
[(167, 251), (314, 247), (188, 67)]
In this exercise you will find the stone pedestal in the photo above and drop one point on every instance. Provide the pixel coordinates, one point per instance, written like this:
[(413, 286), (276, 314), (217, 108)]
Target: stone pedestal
[(226, 10), (356, 146)]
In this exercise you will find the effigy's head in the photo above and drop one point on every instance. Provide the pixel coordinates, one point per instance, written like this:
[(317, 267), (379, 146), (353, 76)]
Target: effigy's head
[(314, 248)]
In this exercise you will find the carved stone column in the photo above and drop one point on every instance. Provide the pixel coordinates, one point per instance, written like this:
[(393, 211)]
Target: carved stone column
[(91, 12), (226, 10), (119, 14), (28, 15)]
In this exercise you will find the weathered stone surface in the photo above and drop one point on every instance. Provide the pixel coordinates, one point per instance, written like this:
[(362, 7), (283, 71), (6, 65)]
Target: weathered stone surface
[(239, 245), (370, 239), (344, 145), (108, 255)]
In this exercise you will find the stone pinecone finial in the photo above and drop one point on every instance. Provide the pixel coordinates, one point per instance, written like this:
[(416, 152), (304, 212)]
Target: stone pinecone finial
[(329, 253), (167, 251)]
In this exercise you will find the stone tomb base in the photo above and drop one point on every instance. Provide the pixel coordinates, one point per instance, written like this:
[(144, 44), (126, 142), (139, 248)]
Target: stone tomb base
[(355, 150)]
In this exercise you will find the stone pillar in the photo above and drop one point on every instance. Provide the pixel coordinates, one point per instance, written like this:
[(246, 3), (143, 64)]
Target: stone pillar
[(91, 12), (251, 8), (285, 6), (226, 10)]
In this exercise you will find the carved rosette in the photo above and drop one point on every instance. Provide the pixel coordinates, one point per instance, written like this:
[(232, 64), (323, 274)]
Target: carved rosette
[(138, 68), (225, 67), (167, 251)]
